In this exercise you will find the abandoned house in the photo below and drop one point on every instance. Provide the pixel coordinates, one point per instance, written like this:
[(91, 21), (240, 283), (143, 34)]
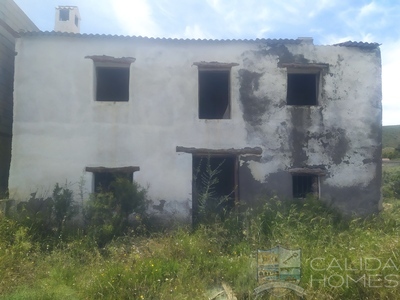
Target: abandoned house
[(275, 116)]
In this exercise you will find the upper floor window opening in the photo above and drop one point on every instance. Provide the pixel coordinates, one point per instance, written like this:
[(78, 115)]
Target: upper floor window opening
[(302, 88), (112, 76), (303, 83), (214, 90), (112, 84)]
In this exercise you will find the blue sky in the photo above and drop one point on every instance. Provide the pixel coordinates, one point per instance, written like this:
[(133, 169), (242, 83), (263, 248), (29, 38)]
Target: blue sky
[(327, 21)]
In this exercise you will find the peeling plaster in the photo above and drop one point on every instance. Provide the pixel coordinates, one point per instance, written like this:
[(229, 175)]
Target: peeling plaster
[(258, 170), (68, 130)]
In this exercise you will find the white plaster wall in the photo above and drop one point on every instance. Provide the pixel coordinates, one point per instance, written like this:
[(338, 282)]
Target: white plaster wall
[(59, 129)]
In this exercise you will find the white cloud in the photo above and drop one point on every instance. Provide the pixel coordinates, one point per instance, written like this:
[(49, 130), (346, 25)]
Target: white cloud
[(216, 5), (390, 89), (195, 32), (135, 18), (320, 6), (331, 39), (369, 9), (263, 32)]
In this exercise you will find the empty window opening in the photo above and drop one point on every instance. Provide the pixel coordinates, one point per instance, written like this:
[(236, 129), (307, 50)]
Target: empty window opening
[(103, 181), (76, 21), (214, 94), (304, 184), (302, 89), (112, 84), (214, 185), (64, 14)]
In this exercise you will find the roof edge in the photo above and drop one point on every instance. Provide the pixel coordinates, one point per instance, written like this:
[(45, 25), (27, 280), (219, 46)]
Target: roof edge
[(257, 40), (96, 35), (364, 45)]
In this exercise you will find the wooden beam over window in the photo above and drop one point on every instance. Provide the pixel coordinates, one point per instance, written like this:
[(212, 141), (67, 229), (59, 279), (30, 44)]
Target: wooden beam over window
[(214, 65), (111, 59), (304, 66), (310, 171), (127, 170), (230, 151)]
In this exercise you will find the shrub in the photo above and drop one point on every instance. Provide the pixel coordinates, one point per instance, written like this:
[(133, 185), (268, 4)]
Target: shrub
[(107, 213), (390, 152), (36, 214), (64, 208), (391, 183), (45, 217)]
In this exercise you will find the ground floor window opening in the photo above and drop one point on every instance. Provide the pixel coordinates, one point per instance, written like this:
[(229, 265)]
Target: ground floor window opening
[(103, 178), (103, 182), (305, 184)]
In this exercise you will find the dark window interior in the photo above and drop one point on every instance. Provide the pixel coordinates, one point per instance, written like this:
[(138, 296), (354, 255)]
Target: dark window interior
[(215, 175), (64, 14), (302, 89), (112, 84), (214, 94), (304, 185), (103, 180), (76, 21)]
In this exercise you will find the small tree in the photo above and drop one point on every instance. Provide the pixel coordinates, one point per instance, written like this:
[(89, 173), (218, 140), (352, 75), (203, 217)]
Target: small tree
[(64, 208), (210, 203), (107, 213)]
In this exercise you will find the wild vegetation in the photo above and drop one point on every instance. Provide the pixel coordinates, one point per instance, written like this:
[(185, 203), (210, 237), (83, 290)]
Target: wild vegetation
[(391, 141), (391, 136), (45, 254)]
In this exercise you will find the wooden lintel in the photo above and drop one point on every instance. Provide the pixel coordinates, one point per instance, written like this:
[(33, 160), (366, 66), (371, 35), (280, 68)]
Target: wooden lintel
[(230, 151), (214, 65), (310, 171), (130, 169), (111, 59), (304, 66)]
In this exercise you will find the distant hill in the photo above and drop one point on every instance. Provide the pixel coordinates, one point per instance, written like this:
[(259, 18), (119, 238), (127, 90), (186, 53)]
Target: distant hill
[(391, 136)]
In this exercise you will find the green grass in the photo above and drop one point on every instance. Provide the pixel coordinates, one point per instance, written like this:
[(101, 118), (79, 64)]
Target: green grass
[(187, 264), (391, 136)]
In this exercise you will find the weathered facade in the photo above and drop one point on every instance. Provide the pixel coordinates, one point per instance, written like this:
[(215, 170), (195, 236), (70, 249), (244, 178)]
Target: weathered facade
[(12, 20), (283, 117)]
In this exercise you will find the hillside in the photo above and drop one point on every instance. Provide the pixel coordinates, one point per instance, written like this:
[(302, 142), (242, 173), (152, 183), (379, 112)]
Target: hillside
[(391, 136)]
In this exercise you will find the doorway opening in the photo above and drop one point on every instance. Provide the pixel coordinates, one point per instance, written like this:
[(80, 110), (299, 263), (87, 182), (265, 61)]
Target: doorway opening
[(215, 186)]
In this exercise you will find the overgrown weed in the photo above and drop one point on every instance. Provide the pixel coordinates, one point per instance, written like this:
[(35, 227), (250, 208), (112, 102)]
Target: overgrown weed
[(188, 264)]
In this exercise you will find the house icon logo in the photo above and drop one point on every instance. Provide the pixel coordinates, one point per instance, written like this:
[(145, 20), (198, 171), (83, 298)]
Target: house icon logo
[(279, 272)]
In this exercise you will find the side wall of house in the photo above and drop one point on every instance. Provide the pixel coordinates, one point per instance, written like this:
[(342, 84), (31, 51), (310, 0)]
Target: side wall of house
[(60, 129), (12, 19)]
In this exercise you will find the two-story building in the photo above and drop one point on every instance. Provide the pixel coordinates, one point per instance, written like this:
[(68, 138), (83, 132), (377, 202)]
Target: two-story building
[(283, 117)]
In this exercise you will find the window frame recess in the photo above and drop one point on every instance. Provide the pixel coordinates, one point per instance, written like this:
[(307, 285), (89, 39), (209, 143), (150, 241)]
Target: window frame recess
[(214, 90), (112, 78), (303, 84)]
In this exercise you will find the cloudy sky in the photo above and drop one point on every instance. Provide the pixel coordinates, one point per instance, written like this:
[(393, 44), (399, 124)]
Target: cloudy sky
[(327, 21)]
